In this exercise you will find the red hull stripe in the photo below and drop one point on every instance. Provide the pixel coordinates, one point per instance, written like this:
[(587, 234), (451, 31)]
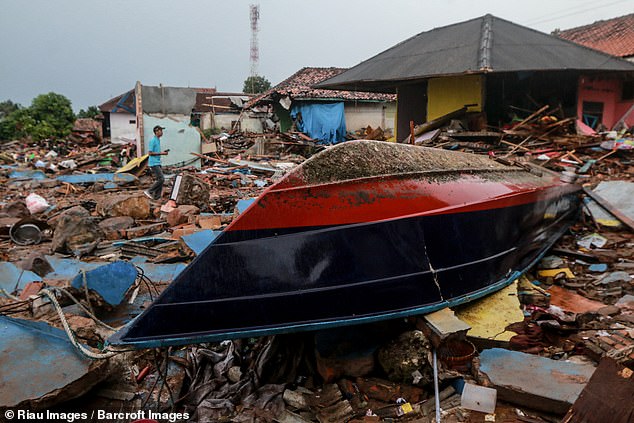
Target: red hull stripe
[(376, 199)]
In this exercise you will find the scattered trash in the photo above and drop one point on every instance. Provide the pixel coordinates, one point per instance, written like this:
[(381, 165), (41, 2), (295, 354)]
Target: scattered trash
[(28, 231), (36, 203), (478, 398), (592, 240), (86, 197)]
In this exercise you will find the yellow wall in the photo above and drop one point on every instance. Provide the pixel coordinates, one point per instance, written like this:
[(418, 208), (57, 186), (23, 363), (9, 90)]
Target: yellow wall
[(449, 93)]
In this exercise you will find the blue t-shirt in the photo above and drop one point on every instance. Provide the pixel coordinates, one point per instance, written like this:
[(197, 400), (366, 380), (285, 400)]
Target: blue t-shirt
[(155, 147)]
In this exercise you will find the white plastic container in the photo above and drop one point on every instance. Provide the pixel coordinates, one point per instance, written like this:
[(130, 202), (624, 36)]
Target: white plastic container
[(478, 398)]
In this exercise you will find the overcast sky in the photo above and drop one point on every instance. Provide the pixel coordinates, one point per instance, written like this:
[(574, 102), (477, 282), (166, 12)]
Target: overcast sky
[(91, 51)]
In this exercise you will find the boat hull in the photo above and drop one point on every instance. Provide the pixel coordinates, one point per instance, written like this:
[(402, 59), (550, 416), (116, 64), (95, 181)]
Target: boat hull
[(258, 280)]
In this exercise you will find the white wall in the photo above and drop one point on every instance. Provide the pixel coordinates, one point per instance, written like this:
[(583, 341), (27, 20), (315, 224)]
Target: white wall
[(181, 138), (360, 115), (121, 130), (223, 120)]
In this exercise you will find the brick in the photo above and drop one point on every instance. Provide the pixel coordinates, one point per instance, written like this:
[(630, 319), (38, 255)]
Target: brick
[(185, 230), (212, 221), (32, 288), (607, 340)]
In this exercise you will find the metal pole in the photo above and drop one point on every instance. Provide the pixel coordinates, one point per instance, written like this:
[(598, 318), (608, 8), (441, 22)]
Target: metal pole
[(436, 394)]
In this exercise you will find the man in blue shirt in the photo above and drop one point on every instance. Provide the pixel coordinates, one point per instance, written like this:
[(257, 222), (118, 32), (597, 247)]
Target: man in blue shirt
[(154, 161)]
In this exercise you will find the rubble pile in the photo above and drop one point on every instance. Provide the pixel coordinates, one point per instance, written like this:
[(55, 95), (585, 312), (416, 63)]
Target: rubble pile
[(70, 218)]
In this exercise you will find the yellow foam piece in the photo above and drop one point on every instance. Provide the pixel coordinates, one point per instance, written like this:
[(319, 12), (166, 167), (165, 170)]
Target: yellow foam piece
[(489, 316), (554, 272), (613, 223), (136, 162)]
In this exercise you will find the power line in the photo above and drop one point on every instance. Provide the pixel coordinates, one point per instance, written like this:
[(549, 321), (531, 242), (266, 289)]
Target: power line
[(559, 12), (551, 18)]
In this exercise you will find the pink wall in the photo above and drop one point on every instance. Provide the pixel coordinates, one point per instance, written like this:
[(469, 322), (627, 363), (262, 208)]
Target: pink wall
[(608, 92)]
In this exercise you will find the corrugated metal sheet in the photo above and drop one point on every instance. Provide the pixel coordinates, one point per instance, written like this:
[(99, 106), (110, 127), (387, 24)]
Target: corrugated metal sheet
[(38, 363)]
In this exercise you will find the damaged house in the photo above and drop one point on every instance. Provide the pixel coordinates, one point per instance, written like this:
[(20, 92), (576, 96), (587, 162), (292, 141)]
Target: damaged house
[(325, 114), (495, 68), (184, 112), (616, 37), (119, 122), (221, 111)]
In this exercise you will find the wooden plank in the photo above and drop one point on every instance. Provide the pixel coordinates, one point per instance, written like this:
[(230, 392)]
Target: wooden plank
[(607, 397), (515, 146), (211, 159)]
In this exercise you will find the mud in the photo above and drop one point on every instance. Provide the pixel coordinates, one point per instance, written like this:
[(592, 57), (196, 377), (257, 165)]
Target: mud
[(362, 159)]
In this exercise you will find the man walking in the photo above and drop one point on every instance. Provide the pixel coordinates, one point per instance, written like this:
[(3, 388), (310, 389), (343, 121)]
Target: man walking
[(154, 161)]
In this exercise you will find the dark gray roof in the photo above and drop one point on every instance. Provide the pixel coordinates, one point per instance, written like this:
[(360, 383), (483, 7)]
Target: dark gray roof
[(484, 44)]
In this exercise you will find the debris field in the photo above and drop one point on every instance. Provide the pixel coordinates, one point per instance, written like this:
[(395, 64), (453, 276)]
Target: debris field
[(83, 251)]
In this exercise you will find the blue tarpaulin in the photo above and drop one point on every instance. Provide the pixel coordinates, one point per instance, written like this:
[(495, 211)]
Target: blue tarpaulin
[(321, 121)]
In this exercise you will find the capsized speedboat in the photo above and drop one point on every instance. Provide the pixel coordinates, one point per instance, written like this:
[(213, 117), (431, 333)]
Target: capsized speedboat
[(363, 231)]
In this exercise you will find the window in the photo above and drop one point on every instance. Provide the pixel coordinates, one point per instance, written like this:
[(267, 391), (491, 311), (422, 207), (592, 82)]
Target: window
[(592, 113), (627, 93)]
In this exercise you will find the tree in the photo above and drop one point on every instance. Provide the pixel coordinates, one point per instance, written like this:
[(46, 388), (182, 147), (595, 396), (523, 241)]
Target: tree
[(256, 84), (90, 113), (50, 115), (7, 107), (54, 113), (7, 125)]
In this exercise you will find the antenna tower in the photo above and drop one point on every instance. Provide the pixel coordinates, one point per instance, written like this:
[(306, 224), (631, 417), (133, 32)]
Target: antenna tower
[(255, 54)]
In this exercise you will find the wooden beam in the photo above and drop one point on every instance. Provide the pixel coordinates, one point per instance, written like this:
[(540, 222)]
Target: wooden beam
[(212, 159), (528, 119), (516, 146)]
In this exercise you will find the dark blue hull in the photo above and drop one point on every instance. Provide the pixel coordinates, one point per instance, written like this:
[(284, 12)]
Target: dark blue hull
[(282, 280)]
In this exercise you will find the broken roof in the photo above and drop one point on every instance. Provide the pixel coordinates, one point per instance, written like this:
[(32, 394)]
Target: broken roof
[(300, 86), (123, 103), (613, 36), (219, 102), (480, 45)]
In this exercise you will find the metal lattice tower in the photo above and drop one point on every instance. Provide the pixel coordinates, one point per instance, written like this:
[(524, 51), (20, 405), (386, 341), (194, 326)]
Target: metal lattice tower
[(255, 54)]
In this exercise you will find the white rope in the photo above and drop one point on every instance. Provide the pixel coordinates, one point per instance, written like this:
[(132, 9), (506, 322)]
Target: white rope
[(83, 273), (8, 295), (85, 351), (83, 307)]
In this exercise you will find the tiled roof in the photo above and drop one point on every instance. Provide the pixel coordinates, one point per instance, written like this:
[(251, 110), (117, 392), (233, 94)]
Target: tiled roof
[(86, 125), (612, 36), (299, 86)]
